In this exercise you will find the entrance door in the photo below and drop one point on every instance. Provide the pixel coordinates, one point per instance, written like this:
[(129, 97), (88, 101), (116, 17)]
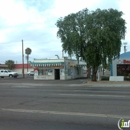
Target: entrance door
[(57, 74)]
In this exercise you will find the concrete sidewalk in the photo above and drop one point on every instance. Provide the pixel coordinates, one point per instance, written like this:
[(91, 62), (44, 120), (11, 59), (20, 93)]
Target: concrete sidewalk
[(107, 83), (75, 82), (84, 84)]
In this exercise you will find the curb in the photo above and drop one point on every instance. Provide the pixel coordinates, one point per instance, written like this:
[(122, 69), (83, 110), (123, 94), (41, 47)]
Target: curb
[(106, 85), (37, 85)]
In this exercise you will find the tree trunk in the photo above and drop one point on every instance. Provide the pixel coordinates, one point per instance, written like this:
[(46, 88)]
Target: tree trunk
[(94, 72), (89, 72)]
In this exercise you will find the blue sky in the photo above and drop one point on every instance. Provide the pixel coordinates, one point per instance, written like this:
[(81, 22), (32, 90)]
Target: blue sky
[(34, 22)]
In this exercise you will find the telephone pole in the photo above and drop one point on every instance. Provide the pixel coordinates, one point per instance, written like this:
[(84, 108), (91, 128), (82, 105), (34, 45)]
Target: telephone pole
[(23, 58), (125, 43)]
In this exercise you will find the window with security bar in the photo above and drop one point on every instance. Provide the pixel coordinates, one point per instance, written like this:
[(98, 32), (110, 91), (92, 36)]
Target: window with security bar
[(45, 72)]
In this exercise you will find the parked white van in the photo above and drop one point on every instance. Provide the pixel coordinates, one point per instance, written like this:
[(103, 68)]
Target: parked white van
[(8, 73)]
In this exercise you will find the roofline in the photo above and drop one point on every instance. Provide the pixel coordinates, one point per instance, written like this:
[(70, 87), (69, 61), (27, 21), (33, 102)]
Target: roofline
[(49, 59)]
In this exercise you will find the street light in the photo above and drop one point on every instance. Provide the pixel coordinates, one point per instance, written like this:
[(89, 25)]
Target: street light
[(57, 56), (125, 43)]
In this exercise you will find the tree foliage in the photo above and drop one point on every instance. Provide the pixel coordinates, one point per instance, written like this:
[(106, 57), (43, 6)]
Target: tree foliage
[(10, 64), (27, 52), (93, 35)]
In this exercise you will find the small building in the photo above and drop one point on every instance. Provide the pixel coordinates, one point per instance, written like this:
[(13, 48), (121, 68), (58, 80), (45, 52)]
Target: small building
[(121, 66), (58, 69), (19, 68), (3, 66)]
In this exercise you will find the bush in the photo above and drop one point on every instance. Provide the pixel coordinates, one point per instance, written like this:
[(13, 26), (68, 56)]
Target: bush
[(126, 77), (104, 78)]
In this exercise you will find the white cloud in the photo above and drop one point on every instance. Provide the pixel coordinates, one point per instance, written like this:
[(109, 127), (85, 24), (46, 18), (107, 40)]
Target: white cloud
[(4, 33), (36, 24), (16, 13), (13, 12), (62, 8), (124, 7)]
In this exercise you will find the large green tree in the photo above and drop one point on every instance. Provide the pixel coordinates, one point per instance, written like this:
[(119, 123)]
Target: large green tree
[(93, 35), (27, 52), (10, 64)]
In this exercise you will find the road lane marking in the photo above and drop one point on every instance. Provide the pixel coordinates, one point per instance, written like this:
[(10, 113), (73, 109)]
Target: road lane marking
[(94, 95), (66, 113)]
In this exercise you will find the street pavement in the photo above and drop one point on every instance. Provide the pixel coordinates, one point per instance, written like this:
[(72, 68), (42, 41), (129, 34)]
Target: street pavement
[(61, 105), (28, 80)]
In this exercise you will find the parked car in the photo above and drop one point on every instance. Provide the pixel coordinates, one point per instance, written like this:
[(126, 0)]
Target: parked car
[(30, 73), (8, 73)]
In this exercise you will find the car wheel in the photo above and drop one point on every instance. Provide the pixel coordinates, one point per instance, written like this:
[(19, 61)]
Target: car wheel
[(10, 75)]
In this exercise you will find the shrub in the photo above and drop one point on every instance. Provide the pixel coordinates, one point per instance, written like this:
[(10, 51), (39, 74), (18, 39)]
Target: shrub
[(126, 77), (104, 78)]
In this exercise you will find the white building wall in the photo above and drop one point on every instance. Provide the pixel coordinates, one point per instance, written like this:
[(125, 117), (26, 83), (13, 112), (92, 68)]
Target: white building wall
[(114, 64), (69, 70), (62, 74), (83, 71), (43, 77)]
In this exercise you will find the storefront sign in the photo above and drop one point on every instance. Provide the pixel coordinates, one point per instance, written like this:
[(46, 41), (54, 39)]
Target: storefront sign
[(72, 65), (56, 67), (126, 61), (123, 62), (119, 61), (40, 77)]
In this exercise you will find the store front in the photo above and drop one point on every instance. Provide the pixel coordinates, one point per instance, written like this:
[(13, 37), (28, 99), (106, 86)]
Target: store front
[(3, 66), (58, 69), (123, 70), (121, 66)]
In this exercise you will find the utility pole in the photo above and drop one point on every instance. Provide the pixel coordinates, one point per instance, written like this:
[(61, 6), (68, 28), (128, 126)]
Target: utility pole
[(125, 43), (23, 58)]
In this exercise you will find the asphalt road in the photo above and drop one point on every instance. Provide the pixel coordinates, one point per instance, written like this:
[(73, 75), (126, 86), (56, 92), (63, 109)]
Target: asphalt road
[(61, 107), (29, 79)]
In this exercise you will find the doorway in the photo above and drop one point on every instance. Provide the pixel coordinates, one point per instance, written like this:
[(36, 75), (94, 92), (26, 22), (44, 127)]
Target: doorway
[(57, 74)]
